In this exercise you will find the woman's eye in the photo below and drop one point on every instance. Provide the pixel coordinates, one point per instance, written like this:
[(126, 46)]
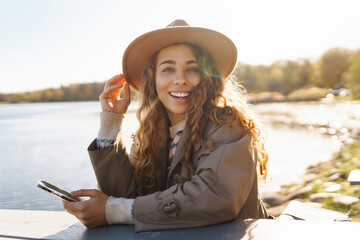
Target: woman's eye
[(168, 69), (193, 69)]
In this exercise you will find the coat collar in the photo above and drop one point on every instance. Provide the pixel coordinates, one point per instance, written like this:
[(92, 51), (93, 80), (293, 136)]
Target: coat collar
[(180, 151), (178, 127), (205, 129)]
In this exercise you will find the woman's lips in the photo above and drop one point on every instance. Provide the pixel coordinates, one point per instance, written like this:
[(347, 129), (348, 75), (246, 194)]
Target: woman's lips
[(180, 94)]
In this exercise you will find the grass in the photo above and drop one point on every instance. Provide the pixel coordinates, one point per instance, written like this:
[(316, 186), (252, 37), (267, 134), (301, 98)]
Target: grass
[(346, 160), (343, 162)]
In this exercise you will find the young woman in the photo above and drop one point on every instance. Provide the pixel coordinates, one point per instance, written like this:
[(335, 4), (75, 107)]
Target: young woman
[(197, 154)]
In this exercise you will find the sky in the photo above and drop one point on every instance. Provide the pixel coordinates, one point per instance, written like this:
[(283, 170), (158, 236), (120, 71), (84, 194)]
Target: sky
[(53, 43)]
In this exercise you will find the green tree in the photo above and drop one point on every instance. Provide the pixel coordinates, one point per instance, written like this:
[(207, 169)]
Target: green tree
[(352, 76), (253, 78), (306, 73), (58, 95), (333, 65), (276, 77), (291, 80)]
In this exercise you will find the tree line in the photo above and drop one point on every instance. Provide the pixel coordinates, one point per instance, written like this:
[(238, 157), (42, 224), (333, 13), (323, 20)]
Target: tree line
[(73, 92), (336, 67)]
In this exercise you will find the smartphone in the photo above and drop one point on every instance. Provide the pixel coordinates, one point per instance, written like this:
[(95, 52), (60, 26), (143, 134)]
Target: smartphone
[(58, 192)]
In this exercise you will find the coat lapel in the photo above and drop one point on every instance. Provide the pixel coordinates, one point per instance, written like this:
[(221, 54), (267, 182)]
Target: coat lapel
[(161, 174), (180, 152)]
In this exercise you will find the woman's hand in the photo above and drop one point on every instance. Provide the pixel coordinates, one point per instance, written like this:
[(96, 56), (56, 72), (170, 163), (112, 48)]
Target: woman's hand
[(90, 212), (110, 98)]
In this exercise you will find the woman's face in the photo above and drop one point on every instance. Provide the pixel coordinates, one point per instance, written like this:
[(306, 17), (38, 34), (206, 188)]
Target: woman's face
[(177, 75)]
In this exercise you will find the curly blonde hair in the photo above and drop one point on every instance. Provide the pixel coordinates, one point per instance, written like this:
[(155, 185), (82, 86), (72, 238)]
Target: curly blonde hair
[(210, 101)]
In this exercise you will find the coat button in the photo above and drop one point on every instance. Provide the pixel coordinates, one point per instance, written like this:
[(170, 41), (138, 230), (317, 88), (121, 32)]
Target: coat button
[(171, 208), (177, 177)]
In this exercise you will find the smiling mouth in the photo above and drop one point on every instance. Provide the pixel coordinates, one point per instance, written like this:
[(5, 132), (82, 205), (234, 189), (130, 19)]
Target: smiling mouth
[(180, 94)]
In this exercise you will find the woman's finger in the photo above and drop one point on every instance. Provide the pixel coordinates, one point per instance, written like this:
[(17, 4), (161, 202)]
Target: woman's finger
[(113, 87), (110, 92), (117, 79), (111, 80), (120, 80), (73, 207), (127, 92), (110, 100), (85, 193), (90, 212)]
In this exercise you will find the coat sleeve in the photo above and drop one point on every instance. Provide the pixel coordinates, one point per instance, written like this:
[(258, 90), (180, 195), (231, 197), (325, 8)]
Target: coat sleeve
[(223, 180), (113, 169)]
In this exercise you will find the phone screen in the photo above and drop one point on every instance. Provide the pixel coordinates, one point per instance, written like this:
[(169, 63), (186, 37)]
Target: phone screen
[(58, 192)]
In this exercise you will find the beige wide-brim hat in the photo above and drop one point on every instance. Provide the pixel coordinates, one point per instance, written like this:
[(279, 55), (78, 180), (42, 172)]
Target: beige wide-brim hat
[(137, 55)]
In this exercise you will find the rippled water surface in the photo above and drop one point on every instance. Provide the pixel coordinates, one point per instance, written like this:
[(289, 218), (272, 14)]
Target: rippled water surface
[(49, 141)]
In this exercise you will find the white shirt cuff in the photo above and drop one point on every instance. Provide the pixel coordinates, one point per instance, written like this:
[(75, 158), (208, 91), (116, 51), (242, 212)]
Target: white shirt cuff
[(110, 125), (119, 210)]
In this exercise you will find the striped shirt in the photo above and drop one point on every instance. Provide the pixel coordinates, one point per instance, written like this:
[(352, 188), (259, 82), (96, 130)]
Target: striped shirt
[(175, 135)]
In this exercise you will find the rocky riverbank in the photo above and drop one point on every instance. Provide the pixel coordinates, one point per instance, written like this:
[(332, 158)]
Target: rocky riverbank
[(325, 183), (340, 119)]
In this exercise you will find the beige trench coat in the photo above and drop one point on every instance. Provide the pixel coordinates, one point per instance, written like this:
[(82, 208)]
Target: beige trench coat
[(223, 188)]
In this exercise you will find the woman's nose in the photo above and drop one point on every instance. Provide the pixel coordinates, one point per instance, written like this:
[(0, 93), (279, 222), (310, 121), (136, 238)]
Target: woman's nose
[(180, 78)]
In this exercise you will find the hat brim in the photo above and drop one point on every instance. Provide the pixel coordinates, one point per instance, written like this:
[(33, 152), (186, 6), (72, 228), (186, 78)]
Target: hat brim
[(137, 55)]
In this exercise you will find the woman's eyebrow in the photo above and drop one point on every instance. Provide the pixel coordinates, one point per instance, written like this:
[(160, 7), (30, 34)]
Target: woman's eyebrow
[(167, 62), (173, 62), (191, 62)]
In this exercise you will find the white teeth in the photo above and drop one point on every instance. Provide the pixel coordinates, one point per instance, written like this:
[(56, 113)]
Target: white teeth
[(181, 95)]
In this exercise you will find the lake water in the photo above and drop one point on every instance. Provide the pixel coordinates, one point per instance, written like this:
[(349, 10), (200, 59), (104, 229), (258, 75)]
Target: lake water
[(49, 140)]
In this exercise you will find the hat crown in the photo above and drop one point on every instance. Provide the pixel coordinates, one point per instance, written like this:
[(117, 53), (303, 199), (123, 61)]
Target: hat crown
[(178, 23), (138, 54)]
